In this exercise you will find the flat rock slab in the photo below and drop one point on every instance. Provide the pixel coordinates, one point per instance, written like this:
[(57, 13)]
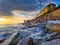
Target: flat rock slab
[(53, 42), (9, 40)]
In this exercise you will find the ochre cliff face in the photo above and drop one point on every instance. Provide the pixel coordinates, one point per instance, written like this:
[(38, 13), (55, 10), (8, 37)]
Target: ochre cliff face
[(53, 15), (46, 9), (41, 16), (49, 13)]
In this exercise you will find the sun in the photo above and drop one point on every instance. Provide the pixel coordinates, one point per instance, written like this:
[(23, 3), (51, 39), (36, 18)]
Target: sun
[(1, 19)]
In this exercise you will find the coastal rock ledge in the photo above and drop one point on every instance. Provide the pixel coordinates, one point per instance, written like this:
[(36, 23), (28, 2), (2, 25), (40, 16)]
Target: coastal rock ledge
[(53, 42)]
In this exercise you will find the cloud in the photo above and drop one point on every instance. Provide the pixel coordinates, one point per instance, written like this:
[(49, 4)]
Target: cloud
[(27, 15), (6, 6)]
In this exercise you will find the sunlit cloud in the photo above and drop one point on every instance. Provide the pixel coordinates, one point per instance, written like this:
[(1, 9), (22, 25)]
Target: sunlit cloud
[(24, 14)]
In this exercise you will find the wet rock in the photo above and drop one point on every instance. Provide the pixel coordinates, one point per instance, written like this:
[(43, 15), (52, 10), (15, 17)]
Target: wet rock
[(53, 26), (53, 42)]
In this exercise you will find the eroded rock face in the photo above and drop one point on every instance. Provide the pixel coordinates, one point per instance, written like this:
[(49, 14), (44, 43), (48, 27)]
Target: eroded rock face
[(53, 42), (53, 26)]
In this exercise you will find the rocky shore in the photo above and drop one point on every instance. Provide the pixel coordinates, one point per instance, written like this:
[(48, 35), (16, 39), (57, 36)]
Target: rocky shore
[(40, 35), (52, 42)]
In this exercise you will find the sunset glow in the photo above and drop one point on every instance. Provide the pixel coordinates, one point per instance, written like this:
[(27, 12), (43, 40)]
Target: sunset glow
[(1, 19), (15, 19), (5, 21)]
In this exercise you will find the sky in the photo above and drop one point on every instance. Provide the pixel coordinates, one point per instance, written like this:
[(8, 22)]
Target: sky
[(22, 9)]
